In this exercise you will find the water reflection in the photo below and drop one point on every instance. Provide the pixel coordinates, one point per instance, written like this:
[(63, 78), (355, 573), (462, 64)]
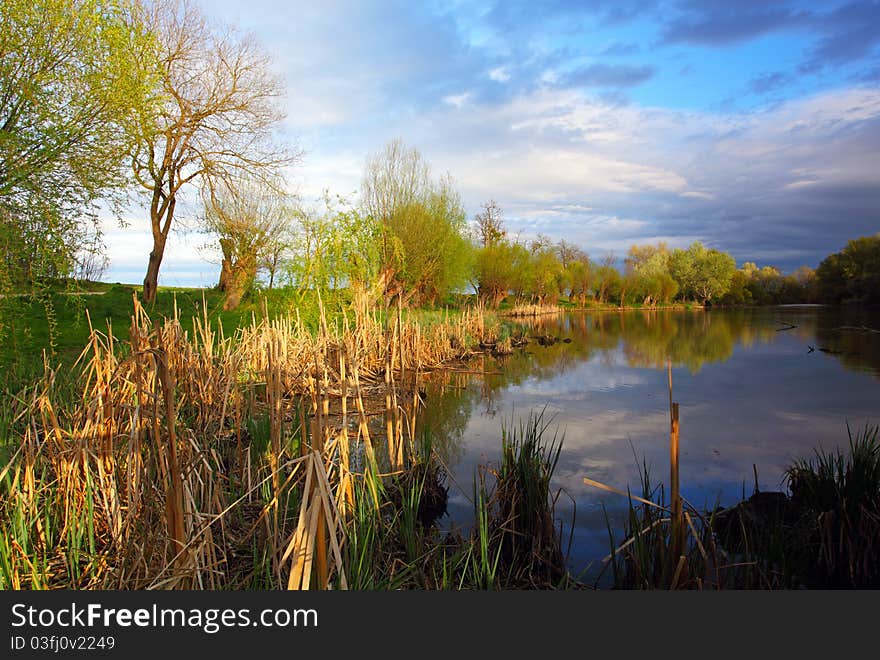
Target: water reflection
[(753, 397)]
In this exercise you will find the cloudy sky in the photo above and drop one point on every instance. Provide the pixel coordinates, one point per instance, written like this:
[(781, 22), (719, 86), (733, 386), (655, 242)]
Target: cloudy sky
[(753, 126)]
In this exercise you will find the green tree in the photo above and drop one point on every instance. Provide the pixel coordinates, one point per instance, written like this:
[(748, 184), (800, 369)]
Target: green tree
[(580, 279), (853, 273), (702, 273), (606, 280), (424, 249), (71, 76)]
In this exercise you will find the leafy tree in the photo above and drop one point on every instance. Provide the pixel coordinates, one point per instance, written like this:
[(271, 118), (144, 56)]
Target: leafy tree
[(548, 276), (424, 249), (606, 280), (702, 273), (580, 279), (853, 273), (493, 268), (71, 77)]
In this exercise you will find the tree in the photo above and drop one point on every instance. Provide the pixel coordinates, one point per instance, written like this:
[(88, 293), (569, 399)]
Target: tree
[(394, 179), (435, 255), (490, 224), (71, 76), (606, 279), (853, 273), (251, 221), (493, 268), (218, 109), (568, 253), (548, 274), (424, 249), (641, 257), (647, 267), (702, 273), (580, 279)]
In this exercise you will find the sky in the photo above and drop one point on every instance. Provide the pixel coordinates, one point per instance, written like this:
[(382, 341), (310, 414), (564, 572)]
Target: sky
[(753, 126)]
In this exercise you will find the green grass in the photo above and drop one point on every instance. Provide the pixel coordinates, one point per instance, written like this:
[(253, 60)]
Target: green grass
[(57, 321)]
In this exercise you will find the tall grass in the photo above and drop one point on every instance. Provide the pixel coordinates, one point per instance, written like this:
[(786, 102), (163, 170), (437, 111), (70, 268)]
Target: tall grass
[(193, 459), (838, 495)]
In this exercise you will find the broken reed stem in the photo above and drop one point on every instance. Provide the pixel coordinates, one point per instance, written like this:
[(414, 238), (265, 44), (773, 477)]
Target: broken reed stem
[(677, 518), (174, 492)]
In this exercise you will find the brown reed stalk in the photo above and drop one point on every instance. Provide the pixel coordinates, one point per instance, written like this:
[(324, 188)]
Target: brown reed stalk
[(174, 493)]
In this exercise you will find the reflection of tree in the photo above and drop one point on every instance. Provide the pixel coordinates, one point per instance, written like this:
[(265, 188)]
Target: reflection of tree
[(450, 399), (688, 339), (647, 338), (852, 339)]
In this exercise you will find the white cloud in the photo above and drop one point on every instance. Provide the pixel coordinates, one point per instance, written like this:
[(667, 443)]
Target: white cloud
[(499, 74), (457, 100)]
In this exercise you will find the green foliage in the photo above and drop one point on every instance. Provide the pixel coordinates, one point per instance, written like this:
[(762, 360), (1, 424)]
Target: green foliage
[(71, 77), (702, 273), (424, 250), (435, 256), (332, 249), (853, 273)]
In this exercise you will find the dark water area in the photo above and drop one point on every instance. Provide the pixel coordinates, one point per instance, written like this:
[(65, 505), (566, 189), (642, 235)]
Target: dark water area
[(752, 396)]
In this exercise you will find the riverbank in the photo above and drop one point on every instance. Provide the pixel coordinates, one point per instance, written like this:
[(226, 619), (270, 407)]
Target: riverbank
[(271, 458)]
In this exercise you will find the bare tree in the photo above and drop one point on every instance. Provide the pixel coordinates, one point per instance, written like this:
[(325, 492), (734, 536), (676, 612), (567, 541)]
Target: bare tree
[(568, 253), (490, 223), (218, 111)]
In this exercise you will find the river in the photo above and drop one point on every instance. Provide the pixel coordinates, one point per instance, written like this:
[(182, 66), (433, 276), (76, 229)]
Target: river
[(753, 397)]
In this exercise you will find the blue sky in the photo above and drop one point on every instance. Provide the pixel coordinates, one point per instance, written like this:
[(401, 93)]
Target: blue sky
[(752, 126)]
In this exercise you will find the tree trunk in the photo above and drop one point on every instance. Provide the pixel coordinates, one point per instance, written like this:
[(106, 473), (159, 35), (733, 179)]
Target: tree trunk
[(240, 279), (226, 267), (151, 281)]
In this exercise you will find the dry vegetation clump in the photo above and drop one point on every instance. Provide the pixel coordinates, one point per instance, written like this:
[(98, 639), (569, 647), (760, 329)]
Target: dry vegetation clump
[(200, 460)]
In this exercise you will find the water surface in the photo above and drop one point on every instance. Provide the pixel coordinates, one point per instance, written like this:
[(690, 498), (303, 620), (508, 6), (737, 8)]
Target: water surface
[(752, 395)]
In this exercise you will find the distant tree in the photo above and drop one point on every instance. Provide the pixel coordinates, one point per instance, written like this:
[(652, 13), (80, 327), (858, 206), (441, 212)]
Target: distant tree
[(522, 272), (568, 253), (738, 293), (702, 273), (395, 179), (580, 279), (493, 269), (490, 223), (218, 113), (853, 273), (606, 279), (250, 221), (436, 254), (424, 248), (539, 243), (547, 276), (641, 257), (806, 279)]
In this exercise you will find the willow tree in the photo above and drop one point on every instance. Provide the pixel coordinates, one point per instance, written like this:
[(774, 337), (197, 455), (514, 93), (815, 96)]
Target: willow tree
[(71, 77), (251, 221), (423, 245), (217, 117), (395, 179)]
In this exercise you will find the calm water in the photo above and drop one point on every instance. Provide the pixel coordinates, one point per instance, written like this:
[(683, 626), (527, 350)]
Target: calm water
[(750, 394)]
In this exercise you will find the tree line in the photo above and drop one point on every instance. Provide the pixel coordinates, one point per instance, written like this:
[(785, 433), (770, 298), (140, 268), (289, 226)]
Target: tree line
[(102, 99)]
